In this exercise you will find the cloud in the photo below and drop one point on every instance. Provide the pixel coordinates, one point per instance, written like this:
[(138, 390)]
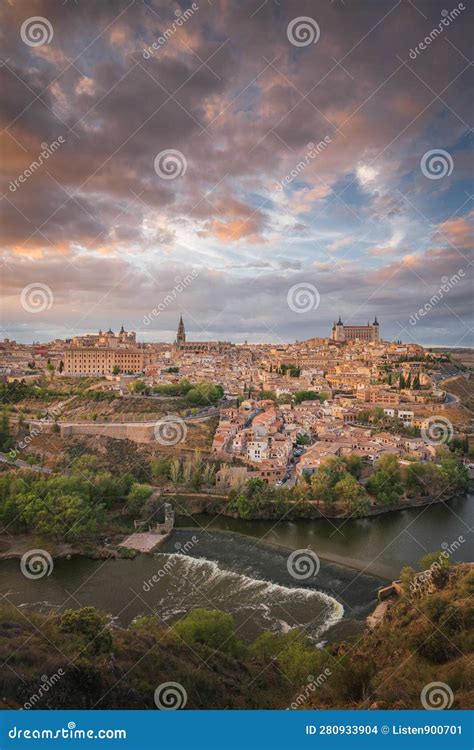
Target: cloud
[(241, 103)]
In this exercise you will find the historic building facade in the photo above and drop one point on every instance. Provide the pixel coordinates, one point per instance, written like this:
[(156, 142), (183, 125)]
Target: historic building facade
[(341, 332), (101, 353), (182, 346)]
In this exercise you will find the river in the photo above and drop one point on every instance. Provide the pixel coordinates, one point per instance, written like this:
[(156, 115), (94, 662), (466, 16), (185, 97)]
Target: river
[(242, 567)]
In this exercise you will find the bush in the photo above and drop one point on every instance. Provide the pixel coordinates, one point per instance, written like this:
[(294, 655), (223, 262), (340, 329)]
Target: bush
[(90, 625), (210, 627)]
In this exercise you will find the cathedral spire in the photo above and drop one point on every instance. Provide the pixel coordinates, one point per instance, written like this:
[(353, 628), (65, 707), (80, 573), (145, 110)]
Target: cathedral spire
[(181, 335)]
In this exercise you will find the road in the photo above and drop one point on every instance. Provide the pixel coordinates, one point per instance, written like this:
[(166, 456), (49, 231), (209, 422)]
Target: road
[(20, 464)]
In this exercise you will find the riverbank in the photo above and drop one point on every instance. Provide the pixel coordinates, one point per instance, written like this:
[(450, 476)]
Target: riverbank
[(192, 504)]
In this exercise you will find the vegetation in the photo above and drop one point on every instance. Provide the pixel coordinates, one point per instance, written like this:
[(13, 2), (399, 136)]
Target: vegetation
[(64, 508), (300, 396), (336, 487), (425, 637)]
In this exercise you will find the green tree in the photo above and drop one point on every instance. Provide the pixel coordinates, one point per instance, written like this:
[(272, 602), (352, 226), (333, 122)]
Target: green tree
[(6, 440), (137, 497), (353, 464), (91, 627), (211, 628), (385, 483), (325, 478), (348, 491)]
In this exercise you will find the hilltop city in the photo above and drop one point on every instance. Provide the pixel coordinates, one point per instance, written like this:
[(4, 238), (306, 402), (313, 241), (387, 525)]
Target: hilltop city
[(279, 411)]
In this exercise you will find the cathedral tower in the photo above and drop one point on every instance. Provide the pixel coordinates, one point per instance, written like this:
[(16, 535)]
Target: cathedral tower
[(181, 335)]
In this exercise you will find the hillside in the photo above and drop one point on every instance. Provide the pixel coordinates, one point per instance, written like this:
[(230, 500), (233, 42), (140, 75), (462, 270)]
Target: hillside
[(425, 637)]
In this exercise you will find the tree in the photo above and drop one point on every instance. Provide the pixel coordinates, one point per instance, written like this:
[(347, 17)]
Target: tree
[(137, 498), (354, 464), (61, 366), (303, 439), (352, 494), (61, 516), (211, 628), (6, 440), (244, 506), (377, 414), (138, 386), (116, 370), (305, 396), (175, 471), (160, 468), (385, 483), (90, 625), (204, 394), (325, 478)]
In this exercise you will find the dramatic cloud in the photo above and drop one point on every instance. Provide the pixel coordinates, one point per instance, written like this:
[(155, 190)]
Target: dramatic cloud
[(292, 164)]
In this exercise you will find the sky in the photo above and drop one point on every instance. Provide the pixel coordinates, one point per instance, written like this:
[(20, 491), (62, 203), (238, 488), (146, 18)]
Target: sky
[(258, 166)]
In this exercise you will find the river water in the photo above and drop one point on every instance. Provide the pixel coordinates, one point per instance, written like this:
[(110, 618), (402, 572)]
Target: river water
[(242, 568)]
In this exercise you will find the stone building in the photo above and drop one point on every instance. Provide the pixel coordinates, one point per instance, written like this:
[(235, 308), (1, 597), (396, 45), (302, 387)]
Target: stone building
[(181, 346), (100, 353), (342, 333)]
